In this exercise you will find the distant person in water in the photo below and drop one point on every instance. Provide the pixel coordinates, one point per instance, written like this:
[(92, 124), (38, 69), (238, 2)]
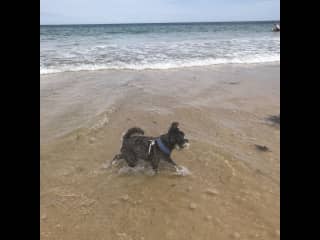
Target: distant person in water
[(276, 28)]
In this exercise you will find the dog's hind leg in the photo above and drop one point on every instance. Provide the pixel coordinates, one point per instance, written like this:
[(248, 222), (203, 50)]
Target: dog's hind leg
[(131, 159), (155, 163)]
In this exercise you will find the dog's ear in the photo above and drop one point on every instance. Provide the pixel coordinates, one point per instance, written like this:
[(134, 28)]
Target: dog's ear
[(173, 126)]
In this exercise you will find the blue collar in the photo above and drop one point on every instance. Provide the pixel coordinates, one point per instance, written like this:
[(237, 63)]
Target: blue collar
[(162, 147)]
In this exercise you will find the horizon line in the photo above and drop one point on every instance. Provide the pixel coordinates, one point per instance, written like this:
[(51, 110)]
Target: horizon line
[(239, 21)]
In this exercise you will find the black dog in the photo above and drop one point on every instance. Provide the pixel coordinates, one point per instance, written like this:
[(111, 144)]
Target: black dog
[(150, 148)]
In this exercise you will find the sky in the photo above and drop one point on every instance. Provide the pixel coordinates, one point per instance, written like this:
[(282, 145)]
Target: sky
[(145, 11)]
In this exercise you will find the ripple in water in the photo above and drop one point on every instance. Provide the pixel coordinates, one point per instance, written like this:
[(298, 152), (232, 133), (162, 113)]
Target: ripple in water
[(144, 168)]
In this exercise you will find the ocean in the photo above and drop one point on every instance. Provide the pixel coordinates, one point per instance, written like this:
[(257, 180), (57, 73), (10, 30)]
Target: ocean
[(155, 45)]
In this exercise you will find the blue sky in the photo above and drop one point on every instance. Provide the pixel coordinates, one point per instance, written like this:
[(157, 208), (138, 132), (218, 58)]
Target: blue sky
[(133, 11)]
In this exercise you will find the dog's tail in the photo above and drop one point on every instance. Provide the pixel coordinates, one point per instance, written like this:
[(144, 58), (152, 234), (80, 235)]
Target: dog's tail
[(131, 131)]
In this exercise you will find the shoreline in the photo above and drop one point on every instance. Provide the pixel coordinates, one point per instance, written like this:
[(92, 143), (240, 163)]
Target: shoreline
[(165, 68)]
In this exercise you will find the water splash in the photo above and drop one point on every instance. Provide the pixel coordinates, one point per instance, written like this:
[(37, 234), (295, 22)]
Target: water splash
[(182, 171), (138, 170), (144, 168)]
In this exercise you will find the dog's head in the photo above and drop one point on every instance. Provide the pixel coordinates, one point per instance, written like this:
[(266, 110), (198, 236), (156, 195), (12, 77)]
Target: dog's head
[(177, 137)]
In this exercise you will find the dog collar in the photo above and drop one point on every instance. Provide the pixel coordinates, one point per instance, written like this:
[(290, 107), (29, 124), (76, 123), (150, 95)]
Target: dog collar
[(163, 147)]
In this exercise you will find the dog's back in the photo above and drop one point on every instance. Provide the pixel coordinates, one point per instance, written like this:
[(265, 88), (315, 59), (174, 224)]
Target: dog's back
[(132, 131), (135, 143)]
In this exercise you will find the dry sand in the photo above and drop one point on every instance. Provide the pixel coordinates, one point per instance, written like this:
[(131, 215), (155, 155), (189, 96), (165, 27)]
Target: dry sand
[(233, 190)]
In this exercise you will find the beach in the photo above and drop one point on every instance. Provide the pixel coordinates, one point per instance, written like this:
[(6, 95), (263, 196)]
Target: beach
[(231, 189)]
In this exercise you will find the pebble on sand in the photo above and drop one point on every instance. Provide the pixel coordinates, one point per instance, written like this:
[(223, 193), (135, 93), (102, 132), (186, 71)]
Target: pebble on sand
[(236, 235), (58, 226), (125, 197), (122, 236), (278, 232), (208, 218), (92, 140), (137, 202), (44, 217), (262, 148), (193, 206), (115, 202), (218, 220), (212, 191)]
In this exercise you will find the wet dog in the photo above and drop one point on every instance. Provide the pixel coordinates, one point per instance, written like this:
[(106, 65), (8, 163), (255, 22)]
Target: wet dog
[(136, 146)]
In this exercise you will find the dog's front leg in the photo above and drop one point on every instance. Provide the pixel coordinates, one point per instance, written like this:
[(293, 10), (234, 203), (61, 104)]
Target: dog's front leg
[(169, 159), (176, 166), (155, 164)]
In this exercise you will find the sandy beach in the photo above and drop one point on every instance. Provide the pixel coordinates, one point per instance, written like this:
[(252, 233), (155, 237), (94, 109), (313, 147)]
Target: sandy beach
[(232, 190)]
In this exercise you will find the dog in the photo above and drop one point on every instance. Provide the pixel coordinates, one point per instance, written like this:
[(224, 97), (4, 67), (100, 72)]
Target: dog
[(136, 146)]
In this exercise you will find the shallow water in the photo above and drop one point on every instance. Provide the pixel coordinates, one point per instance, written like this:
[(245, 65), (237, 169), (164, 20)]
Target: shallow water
[(225, 188)]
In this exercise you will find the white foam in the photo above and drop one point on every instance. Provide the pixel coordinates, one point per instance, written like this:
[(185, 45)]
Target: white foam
[(138, 170), (144, 168), (182, 171), (162, 65)]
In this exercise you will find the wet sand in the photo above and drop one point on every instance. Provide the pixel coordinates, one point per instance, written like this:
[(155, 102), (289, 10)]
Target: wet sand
[(233, 190)]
